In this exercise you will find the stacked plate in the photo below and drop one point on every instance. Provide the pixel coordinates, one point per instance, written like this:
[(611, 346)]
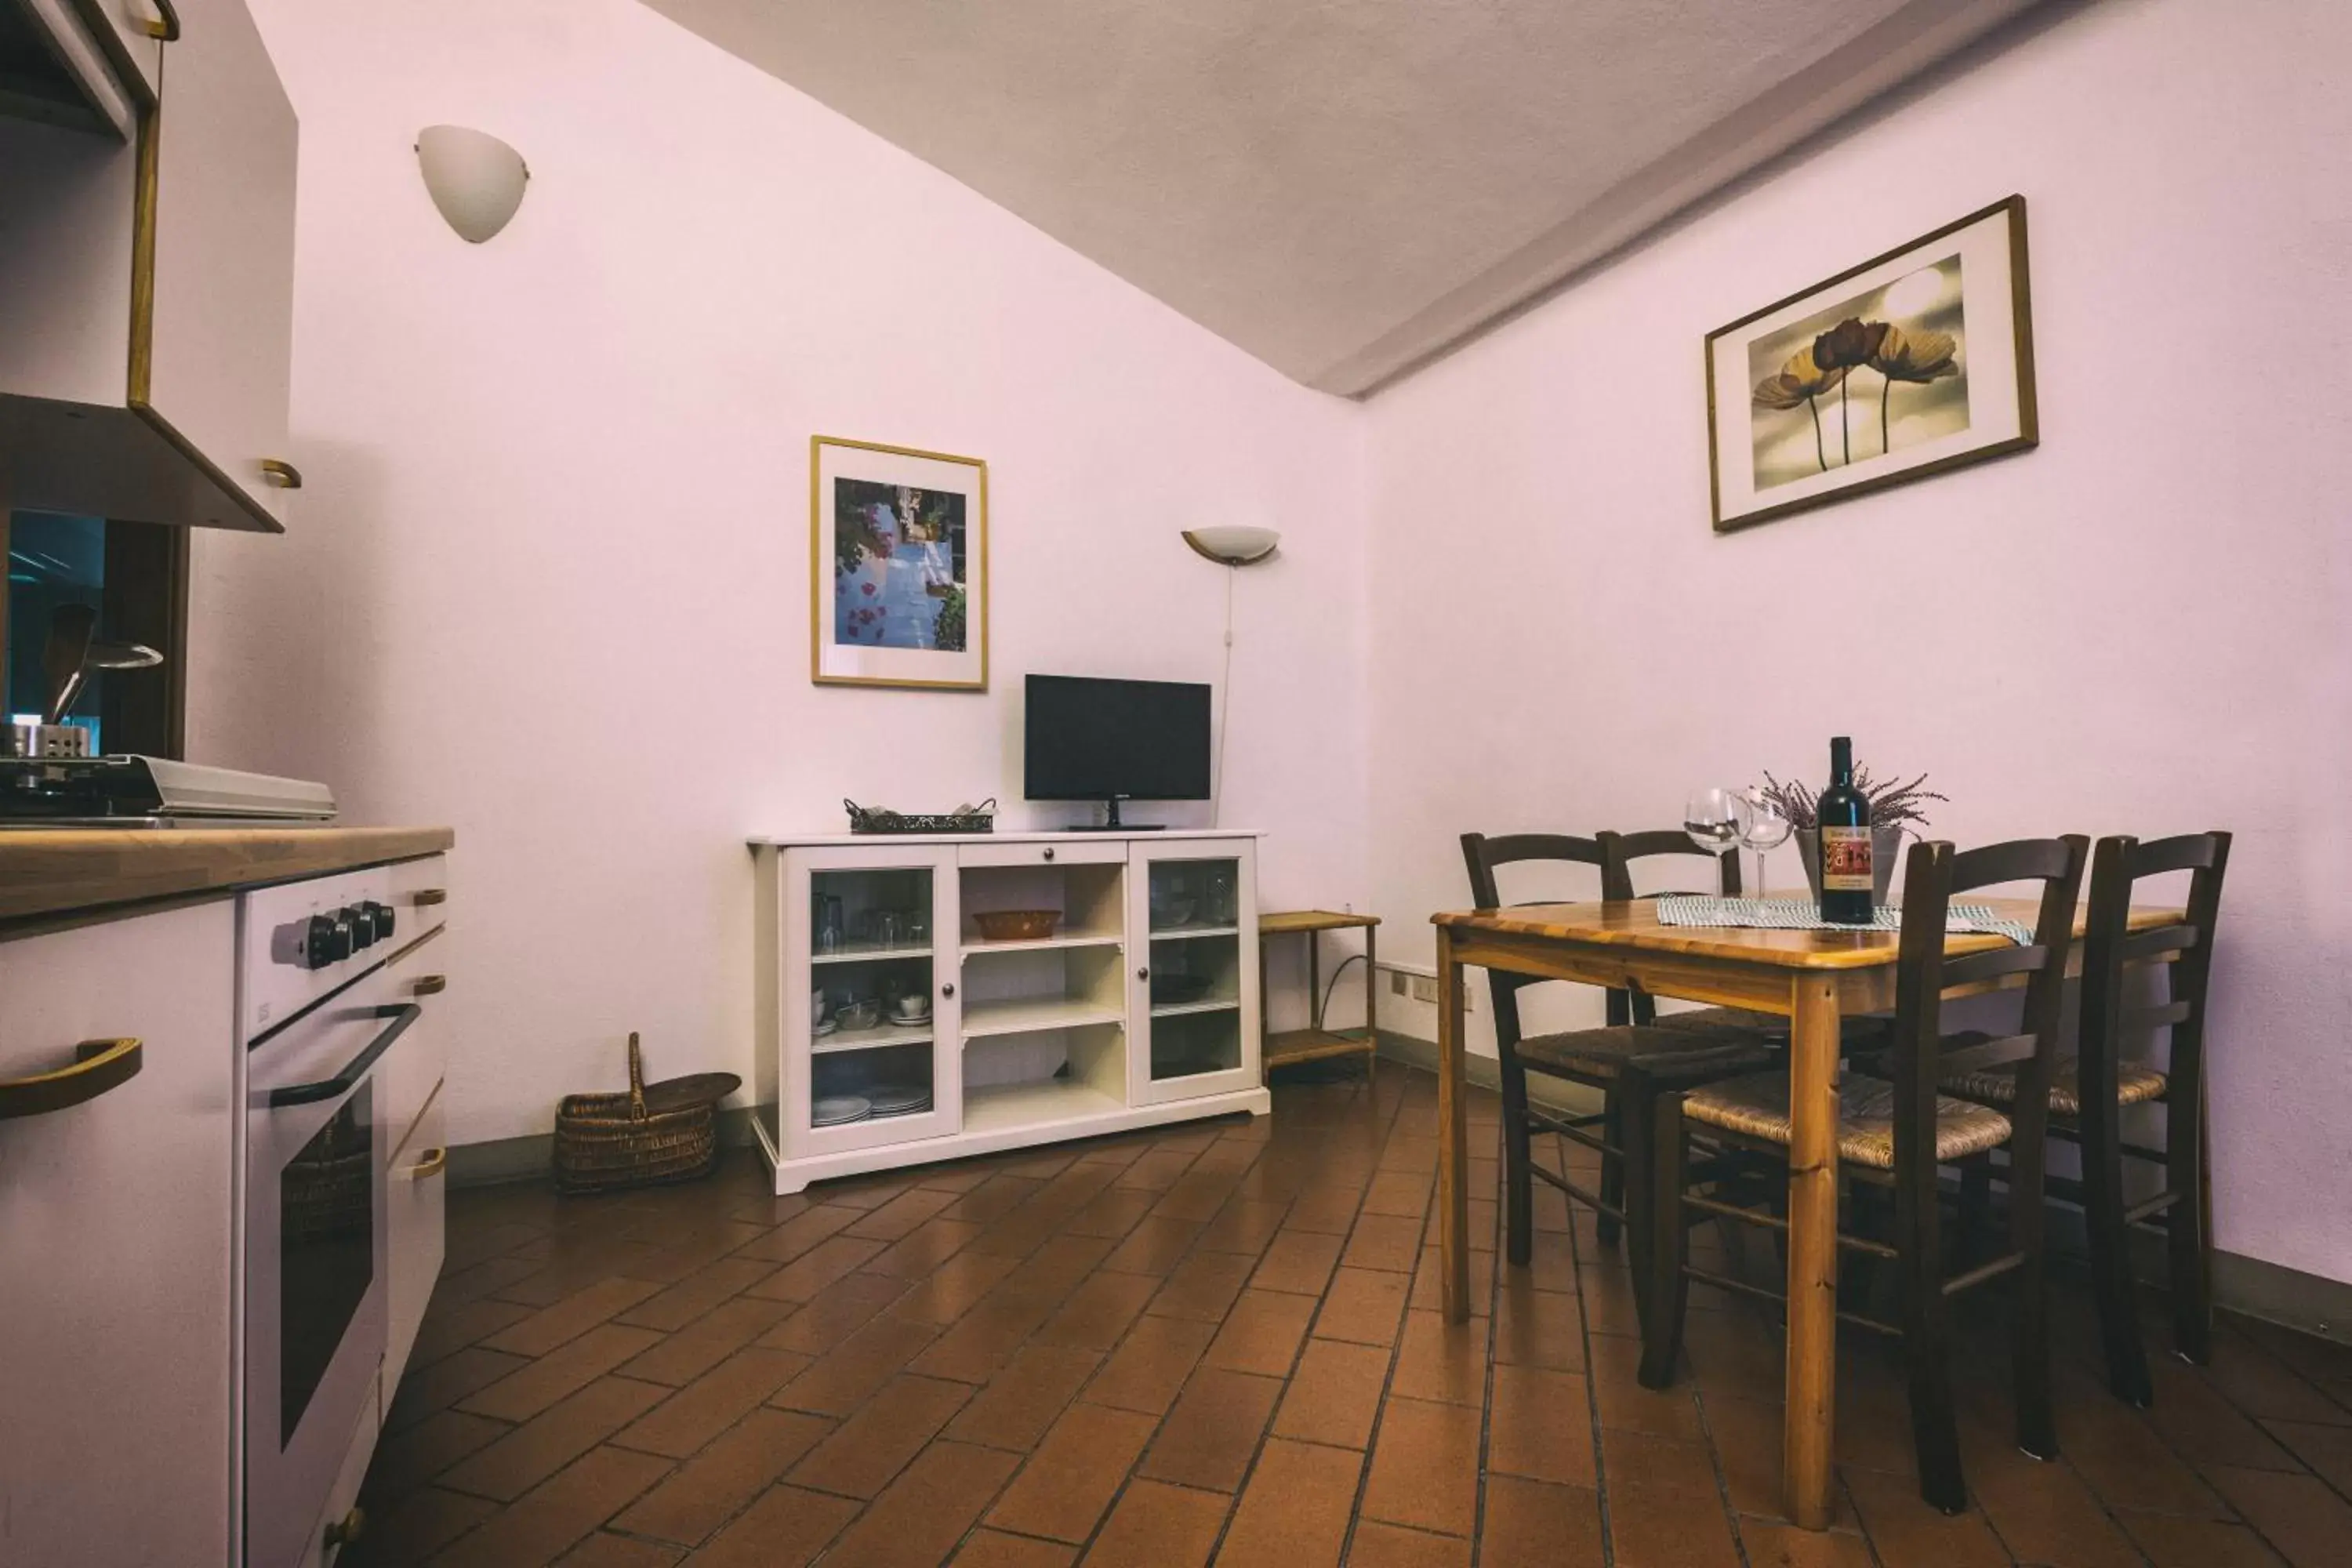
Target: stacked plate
[(834, 1110), (900, 1099)]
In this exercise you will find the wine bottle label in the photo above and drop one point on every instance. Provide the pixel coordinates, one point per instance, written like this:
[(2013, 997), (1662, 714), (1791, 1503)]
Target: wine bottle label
[(1846, 860)]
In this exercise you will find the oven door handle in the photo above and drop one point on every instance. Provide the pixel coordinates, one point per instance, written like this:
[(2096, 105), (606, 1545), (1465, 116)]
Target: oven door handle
[(344, 1082)]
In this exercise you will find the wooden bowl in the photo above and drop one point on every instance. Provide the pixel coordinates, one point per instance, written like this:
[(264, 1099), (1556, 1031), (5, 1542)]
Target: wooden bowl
[(1017, 925)]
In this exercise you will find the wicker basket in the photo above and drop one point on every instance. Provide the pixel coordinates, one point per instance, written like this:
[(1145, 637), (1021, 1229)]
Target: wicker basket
[(657, 1132)]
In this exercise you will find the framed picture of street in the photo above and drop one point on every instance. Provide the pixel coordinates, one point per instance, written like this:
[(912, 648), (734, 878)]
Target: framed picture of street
[(1913, 362), (897, 566)]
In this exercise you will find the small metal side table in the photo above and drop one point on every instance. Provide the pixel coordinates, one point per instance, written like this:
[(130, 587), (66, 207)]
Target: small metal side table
[(1315, 1042)]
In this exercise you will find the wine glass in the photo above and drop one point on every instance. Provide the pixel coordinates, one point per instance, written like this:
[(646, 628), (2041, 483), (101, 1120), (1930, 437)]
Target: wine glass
[(1763, 827), (1711, 820)]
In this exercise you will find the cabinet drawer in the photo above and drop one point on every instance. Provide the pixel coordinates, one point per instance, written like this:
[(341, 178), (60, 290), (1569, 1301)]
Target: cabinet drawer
[(419, 1059), (1111, 852), (413, 1231), (420, 896)]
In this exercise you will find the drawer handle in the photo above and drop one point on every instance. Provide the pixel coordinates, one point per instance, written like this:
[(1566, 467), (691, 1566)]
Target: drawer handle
[(433, 1162), (283, 475), (99, 1066), (1049, 852), (427, 897), (431, 985), (167, 27), (346, 1529)]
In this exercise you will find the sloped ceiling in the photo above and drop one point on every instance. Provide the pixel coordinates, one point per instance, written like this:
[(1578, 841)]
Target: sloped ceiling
[(1343, 187)]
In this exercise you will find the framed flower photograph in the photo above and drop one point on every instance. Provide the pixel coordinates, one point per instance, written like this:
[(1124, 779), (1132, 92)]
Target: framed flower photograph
[(1915, 361), (897, 566)]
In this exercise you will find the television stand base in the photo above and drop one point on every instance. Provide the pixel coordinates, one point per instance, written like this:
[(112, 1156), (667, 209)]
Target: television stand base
[(1111, 823)]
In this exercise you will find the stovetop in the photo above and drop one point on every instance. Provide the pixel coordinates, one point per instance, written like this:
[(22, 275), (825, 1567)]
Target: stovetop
[(152, 792)]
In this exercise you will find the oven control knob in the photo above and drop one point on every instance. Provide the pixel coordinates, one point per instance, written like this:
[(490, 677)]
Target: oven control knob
[(340, 947), (318, 942), (366, 933), (382, 921)]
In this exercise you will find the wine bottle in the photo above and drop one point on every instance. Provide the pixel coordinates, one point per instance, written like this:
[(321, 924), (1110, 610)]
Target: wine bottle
[(1843, 814)]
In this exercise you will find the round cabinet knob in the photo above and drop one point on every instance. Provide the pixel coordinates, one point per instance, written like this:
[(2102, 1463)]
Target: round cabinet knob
[(345, 1530), (1049, 852), (1143, 974), (948, 989)]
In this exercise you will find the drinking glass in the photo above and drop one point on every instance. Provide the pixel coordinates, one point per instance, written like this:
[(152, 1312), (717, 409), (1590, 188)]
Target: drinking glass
[(1763, 827), (1711, 820)]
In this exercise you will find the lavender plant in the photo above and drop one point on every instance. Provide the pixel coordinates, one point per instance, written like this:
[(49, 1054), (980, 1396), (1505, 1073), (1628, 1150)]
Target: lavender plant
[(1895, 804)]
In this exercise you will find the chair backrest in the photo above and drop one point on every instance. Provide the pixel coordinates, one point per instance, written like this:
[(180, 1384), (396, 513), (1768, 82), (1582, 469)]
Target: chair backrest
[(1926, 978), (1484, 856), (1618, 853), (2112, 951), (1620, 850)]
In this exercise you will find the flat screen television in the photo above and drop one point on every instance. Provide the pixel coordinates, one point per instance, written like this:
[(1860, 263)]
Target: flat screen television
[(1111, 741)]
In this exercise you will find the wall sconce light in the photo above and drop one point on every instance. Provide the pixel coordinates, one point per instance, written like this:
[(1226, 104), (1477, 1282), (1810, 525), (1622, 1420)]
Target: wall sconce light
[(475, 179), (1236, 546)]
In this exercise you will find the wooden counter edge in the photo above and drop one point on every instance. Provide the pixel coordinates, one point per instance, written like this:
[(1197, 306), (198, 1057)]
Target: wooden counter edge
[(51, 881)]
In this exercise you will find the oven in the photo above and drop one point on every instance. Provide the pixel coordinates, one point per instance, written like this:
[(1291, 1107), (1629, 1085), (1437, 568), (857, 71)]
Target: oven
[(317, 1268)]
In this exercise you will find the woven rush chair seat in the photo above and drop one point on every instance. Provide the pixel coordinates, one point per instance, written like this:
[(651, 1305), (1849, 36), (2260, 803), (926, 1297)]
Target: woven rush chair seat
[(1600, 1053), (1758, 1107), (2135, 1084), (1856, 1034)]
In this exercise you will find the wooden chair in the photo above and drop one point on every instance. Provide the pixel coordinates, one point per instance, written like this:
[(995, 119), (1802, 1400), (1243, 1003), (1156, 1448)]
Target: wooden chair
[(2089, 1091), (1894, 1135), (1593, 1057)]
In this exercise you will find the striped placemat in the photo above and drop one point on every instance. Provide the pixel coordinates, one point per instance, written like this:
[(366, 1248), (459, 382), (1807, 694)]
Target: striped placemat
[(1803, 914)]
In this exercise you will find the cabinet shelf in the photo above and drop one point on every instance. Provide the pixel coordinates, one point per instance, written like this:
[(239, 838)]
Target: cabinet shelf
[(1025, 1015), (1205, 1004), (1047, 944), (1182, 933), (852, 953), (876, 1038), (1041, 1104)]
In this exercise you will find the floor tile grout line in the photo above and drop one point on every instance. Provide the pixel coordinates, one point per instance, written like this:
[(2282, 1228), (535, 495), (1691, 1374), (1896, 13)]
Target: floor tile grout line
[(1118, 1493), (1591, 1383)]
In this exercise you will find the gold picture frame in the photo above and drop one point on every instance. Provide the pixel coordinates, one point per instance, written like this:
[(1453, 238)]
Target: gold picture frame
[(1938, 331), (897, 566)]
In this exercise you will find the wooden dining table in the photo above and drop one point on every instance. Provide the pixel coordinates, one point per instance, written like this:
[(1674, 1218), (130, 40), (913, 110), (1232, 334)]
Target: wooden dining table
[(1814, 978)]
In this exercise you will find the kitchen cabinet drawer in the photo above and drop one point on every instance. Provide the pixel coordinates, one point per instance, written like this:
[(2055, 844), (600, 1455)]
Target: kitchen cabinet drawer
[(119, 1241), (415, 1229), (1112, 852), (420, 896), (420, 1057)]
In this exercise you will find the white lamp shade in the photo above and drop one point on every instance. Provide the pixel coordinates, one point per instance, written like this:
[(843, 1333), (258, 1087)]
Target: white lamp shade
[(1233, 546), (475, 179)]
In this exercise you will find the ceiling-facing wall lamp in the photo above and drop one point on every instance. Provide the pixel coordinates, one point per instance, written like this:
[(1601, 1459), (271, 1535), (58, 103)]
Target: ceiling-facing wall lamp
[(1236, 546), (475, 179)]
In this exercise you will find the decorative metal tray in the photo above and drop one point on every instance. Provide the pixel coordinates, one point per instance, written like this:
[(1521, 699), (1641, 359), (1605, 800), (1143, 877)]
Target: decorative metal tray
[(981, 818)]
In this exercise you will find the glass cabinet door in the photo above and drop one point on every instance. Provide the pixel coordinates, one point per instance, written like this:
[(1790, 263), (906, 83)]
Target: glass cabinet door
[(1194, 978), (871, 1017)]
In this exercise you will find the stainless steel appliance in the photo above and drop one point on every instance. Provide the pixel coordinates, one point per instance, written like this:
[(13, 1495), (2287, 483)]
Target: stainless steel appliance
[(151, 792), (320, 1018)]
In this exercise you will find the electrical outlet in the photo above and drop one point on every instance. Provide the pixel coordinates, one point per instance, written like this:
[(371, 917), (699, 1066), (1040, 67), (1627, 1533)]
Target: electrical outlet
[(1397, 978), (1424, 988)]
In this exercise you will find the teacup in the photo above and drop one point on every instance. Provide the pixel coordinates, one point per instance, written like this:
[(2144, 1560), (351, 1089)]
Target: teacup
[(913, 1004)]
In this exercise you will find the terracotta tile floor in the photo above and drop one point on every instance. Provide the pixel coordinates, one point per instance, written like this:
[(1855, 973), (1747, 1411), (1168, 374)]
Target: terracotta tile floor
[(1220, 1343)]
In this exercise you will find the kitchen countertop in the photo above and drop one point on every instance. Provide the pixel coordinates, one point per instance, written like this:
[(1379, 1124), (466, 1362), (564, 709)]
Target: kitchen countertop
[(50, 877)]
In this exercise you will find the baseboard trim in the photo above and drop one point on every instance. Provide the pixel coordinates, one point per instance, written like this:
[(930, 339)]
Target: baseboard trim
[(2253, 1286)]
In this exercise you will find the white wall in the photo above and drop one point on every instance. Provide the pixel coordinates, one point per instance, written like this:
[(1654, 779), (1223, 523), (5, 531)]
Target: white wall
[(549, 580), (2138, 628)]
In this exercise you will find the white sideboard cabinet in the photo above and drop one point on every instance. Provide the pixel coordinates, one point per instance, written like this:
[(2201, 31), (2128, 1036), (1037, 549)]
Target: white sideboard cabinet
[(1139, 1008)]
